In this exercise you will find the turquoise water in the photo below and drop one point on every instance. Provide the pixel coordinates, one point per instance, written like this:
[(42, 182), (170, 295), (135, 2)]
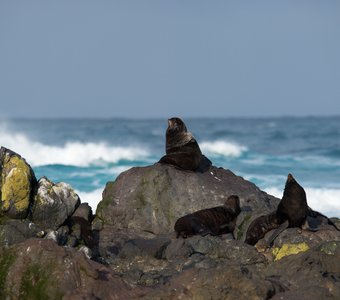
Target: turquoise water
[(88, 153)]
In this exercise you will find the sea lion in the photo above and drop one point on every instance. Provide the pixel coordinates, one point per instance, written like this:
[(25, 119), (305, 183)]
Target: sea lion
[(181, 147), (215, 221)]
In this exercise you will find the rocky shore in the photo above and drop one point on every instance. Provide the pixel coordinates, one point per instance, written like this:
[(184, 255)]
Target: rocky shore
[(52, 246)]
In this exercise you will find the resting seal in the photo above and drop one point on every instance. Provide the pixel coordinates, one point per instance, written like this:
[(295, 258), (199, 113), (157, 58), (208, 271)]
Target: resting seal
[(181, 147), (215, 221), (292, 211)]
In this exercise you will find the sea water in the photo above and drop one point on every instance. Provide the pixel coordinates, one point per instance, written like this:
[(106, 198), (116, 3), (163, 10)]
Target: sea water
[(87, 153)]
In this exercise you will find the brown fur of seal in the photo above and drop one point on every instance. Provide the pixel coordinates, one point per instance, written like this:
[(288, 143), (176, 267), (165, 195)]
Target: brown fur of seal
[(181, 147), (215, 221), (292, 211), (260, 226), (293, 206)]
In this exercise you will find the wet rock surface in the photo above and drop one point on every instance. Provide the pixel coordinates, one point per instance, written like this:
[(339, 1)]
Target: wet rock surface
[(57, 248)]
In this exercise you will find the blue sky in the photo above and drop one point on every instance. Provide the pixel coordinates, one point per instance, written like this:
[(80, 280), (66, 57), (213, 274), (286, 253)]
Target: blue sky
[(192, 58)]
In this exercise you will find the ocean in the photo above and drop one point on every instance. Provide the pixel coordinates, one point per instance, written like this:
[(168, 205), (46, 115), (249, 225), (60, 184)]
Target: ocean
[(87, 153)]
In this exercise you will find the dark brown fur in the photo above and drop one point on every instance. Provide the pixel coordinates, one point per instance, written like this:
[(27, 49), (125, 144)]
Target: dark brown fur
[(260, 226), (292, 210), (293, 206), (215, 221), (181, 147)]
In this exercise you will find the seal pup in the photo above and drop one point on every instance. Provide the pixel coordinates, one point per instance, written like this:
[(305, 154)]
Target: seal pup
[(181, 147), (292, 211), (215, 221)]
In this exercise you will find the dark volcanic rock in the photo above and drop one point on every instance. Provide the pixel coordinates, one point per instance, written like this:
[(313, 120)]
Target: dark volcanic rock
[(141, 247), (14, 231), (80, 226), (310, 273), (40, 269), (224, 281), (214, 247), (147, 201)]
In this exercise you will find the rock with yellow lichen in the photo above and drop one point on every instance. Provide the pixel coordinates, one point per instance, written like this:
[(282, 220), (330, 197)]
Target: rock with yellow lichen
[(289, 249), (16, 184)]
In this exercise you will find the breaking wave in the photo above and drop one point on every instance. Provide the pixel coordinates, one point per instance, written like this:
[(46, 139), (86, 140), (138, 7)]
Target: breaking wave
[(222, 148), (73, 153)]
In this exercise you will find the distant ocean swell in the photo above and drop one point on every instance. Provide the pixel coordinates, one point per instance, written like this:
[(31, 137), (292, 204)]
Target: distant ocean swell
[(87, 165)]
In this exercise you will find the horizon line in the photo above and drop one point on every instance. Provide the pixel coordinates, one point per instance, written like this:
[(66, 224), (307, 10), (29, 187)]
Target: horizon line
[(55, 118)]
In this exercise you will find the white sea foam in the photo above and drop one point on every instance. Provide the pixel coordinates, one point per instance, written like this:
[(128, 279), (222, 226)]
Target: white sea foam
[(326, 201), (92, 198), (223, 148), (71, 153)]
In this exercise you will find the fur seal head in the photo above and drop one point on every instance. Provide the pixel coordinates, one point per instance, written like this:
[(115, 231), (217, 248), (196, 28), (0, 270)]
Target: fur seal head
[(177, 134), (233, 204)]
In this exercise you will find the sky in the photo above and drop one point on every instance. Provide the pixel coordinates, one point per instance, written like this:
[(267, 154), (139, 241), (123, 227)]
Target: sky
[(155, 59)]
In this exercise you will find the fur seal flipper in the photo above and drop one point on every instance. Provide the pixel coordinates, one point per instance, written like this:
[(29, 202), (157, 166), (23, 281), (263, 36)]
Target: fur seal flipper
[(181, 147), (276, 232), (215, 221), (260, 226)]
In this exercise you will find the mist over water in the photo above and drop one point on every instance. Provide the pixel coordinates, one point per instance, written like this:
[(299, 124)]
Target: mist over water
[(88, 153)]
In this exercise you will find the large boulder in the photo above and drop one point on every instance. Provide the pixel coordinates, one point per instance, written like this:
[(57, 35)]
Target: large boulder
[(53, 203), (16, 184), (147, 201), (40, 269)]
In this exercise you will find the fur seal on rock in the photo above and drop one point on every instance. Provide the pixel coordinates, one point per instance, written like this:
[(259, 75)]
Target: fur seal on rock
[(215, 221), (181, 148), (292, 211), (293, 206)]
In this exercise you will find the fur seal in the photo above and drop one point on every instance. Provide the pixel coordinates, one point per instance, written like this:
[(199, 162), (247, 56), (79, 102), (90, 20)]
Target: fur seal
[(292, 211), (181, 147), (293, 206), (215, 221)]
